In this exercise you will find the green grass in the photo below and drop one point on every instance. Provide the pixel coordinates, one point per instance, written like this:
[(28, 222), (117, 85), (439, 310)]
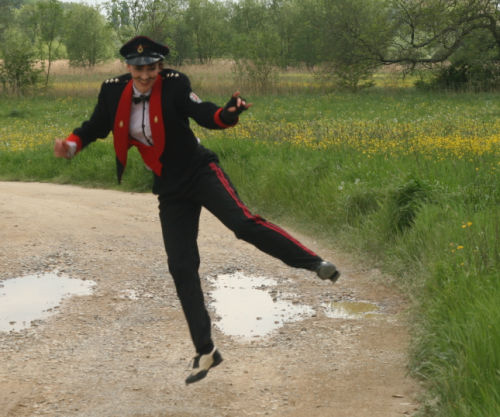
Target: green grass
[(430, 218)]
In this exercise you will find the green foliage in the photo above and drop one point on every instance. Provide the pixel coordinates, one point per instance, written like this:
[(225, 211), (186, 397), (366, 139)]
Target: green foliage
[(308, 33), (154, 18), (405, 202), (89, 40), (255, 46), (18, 74), (206, 22), (360, 204), (344, 41), (182, 47), (7, 8), (473, 75), (256, 60), (350, 60), (16, 113), (457, 343), (49, 23)]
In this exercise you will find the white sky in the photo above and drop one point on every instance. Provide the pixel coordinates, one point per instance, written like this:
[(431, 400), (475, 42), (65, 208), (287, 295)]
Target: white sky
[(92, 2)]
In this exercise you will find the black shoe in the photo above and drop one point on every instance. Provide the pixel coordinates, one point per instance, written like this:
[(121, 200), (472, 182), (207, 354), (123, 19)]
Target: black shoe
[(327, 270), (202, 364)]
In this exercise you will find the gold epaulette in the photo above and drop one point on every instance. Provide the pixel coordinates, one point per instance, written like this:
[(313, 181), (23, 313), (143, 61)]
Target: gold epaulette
[(122, 79), (171, 75)]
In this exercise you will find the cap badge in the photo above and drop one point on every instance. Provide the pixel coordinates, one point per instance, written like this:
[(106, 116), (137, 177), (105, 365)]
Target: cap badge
[(140, 49)]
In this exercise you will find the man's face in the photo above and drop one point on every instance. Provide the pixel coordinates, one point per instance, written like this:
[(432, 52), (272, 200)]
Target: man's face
[(144, 75)]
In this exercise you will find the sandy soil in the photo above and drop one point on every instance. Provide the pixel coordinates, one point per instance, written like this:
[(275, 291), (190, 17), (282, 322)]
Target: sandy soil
[(109, 355)]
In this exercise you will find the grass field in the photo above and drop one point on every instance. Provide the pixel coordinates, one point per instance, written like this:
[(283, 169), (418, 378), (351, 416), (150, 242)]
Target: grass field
[(408, 179)]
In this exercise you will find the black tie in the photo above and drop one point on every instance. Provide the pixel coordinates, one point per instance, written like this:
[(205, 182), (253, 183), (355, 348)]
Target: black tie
[(142, 97)]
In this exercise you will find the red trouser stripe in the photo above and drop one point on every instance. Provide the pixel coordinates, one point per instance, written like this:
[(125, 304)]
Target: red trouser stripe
[(247, 213)]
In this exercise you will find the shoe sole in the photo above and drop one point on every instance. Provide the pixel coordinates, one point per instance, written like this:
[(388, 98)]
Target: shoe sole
[(202, 374), (335, 277), (329, 272)]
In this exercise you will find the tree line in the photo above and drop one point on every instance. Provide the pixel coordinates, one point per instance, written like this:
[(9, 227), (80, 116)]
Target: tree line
[(345, 40)]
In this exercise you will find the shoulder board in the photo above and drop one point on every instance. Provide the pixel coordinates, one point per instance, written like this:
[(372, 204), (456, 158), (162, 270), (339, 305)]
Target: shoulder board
[(122, 79), (169, 73)]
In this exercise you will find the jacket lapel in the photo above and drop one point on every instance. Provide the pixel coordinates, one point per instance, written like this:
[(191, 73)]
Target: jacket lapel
[(120, 130), (156, 118)]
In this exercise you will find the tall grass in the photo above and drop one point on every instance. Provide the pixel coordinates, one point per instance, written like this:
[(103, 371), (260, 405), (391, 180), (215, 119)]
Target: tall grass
[(216, 78), (409, 179)]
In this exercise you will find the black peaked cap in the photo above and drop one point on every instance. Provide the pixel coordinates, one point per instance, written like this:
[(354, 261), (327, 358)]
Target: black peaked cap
[(142, 50)]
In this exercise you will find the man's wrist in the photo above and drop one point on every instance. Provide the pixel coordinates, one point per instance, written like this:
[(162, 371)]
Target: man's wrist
[(227, 117), (73, 148)]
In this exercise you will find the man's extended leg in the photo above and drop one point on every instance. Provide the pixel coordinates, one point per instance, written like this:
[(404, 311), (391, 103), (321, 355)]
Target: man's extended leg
[(214, 191)]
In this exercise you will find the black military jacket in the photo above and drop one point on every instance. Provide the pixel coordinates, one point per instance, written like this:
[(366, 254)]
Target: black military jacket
[(180, 149)]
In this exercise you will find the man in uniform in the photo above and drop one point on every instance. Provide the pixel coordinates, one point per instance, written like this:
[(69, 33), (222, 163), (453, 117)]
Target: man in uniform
[(149, 107)]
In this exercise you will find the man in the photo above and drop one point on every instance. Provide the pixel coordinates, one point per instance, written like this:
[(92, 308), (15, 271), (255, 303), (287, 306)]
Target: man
[(150, 108)]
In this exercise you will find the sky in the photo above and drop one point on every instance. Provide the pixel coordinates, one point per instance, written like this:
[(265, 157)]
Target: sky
[(92, 2)]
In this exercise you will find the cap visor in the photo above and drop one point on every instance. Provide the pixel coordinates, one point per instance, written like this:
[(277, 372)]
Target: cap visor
[(142, 60)]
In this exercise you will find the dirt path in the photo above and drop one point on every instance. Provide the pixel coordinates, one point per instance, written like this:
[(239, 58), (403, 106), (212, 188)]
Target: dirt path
[(107, 355)]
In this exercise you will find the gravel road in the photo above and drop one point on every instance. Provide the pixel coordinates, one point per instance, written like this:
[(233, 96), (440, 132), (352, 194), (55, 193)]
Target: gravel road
[(125, 350)]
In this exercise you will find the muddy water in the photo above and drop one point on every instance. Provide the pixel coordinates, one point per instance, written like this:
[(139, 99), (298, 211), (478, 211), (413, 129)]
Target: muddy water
[(33, 297), (246, 309), (351, 310)]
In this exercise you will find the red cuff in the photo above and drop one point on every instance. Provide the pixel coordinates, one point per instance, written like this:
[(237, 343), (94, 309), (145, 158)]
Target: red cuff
[(218, 120), (75, 139)]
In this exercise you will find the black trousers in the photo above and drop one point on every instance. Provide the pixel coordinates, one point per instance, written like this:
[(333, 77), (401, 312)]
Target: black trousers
[(180, 215)]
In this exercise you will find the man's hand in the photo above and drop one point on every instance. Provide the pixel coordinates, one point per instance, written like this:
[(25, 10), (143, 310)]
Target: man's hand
[(238, 104), (61, 149), (234, 108)]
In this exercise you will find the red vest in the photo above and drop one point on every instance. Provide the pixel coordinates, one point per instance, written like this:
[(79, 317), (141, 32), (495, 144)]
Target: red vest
[(122, 141)]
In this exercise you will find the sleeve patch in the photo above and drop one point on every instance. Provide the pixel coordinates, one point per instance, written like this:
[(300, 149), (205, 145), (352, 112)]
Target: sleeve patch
[(194, 98)]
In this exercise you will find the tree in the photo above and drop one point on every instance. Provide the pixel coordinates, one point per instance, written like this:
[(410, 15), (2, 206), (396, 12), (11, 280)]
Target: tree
[(255, 44), (308, 24), (49, 24), (282, 15), (17, 71), (181, 44), (207, 22), (127, 16), (257, 58), (90, 40), (6, 13), (162, 17), (354, 31), (423, 31), (156, 19)]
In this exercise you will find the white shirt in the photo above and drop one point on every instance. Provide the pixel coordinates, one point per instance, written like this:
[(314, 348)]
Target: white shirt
[(139, 127)]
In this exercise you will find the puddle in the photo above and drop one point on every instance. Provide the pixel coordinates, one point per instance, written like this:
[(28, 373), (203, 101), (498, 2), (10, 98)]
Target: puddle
[(351, 310), (35, 297), (248, 311)]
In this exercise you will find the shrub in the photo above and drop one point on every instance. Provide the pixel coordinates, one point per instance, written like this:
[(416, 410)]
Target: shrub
[(18, 72), (404, 204)]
